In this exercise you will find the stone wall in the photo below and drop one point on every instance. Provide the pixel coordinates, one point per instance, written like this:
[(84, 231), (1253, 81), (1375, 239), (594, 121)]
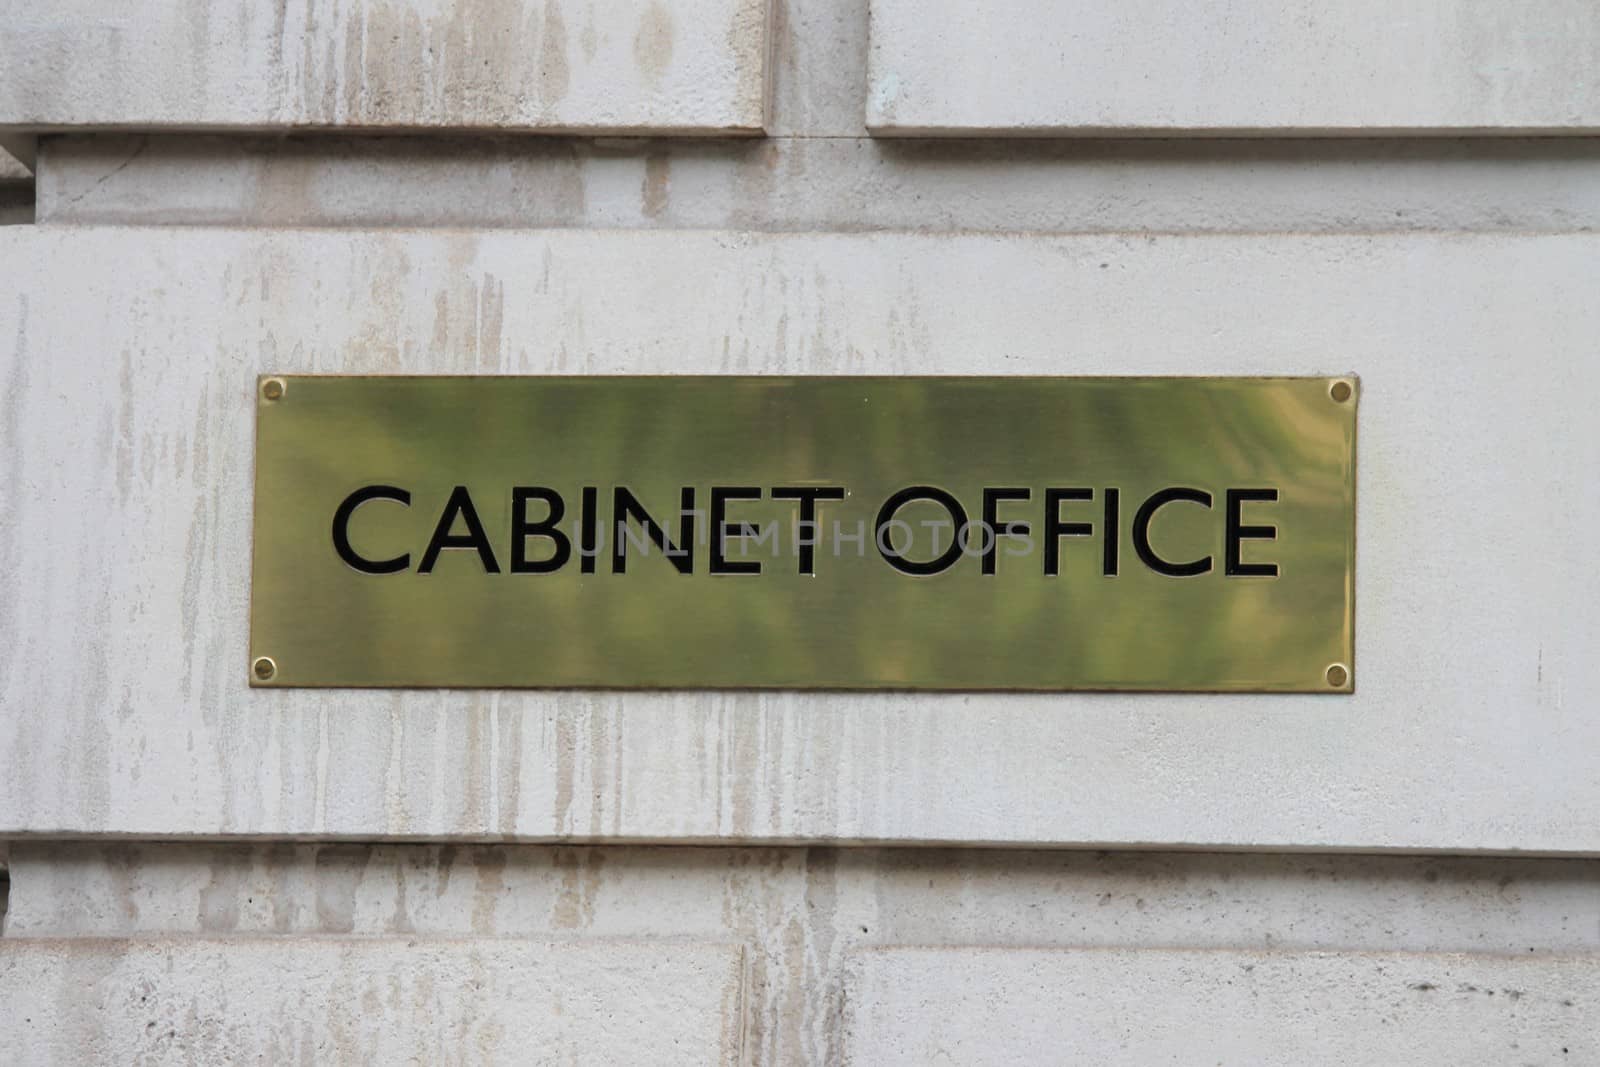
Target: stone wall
[(199, 872)]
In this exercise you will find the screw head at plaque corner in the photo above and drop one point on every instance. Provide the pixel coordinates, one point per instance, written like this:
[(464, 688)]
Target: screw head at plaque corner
[(264, 669), (272, 389), (1341, 391), (1338, 676)]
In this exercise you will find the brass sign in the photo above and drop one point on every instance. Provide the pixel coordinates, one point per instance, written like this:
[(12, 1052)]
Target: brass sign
[(852, 533)]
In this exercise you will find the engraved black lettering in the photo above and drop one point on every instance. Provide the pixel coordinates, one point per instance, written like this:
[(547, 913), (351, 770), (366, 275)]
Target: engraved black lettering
[(1141, 532), (722, 529), (341, 530), (459, 505), (886, 515), (806, 534), (994, 529), (1055, 529), (1111, 532), (1235, 531), (625, 507), (522, 529)]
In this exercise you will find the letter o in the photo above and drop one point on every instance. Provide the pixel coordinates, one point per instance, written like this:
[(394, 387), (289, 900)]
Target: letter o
[(886, 515)]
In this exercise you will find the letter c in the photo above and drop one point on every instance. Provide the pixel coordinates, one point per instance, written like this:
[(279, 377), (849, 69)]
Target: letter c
[(341, 530), (1141, 532)]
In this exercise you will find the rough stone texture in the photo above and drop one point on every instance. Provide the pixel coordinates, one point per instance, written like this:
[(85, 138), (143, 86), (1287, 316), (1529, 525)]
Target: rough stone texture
[(376, 1001), (1141, 1007), (1258, 66), (125, 538), (804, 915), (826, 183), (670, 66)]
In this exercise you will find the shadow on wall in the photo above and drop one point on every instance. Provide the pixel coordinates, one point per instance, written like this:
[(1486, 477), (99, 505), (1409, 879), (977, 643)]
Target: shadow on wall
[(16, 205), (16, 191), (1069, 185)]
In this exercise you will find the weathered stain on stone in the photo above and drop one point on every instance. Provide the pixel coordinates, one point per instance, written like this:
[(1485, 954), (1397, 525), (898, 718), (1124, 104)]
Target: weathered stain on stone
[(565, 757), (491, 323), (400, 917), (657, 185), (475, 789), (602, 743), (489, 867), (508, 769), (339, 869), (554, 76), (285, 184), (220, 899), (653, 42), (589, 40), (581, 880), (752, 38)]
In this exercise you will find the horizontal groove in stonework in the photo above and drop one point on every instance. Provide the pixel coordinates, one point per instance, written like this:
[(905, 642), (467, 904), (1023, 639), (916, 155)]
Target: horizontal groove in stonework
[(844, 184)]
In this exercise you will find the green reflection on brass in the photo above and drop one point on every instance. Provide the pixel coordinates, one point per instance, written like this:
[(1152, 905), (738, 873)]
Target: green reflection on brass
[(856, 623)]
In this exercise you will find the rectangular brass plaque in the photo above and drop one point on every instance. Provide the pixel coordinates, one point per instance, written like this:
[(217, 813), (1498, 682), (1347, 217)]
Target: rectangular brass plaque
[(852, 533)]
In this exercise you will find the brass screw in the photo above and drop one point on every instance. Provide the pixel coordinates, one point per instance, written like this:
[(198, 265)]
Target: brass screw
[(264, 668), (1341, 392), (272, 389), (1338, 675)]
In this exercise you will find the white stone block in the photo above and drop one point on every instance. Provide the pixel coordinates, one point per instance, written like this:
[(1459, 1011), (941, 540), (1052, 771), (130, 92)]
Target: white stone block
[(128, 359), (804, 915), (1040, 67), (389, 1000), (605, 66), (1115, 1007)]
